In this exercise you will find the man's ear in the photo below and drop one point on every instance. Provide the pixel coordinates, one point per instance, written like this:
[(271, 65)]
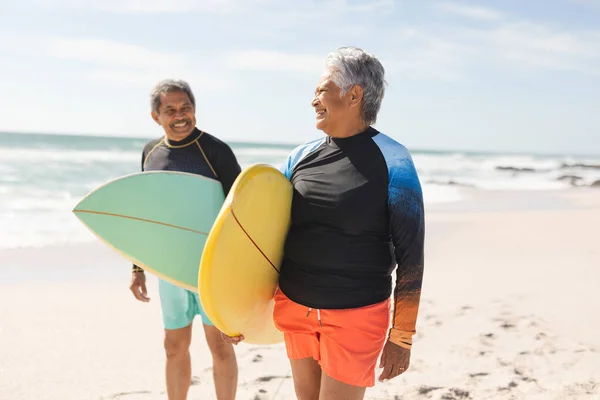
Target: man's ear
[(356, 95), (155, 117)]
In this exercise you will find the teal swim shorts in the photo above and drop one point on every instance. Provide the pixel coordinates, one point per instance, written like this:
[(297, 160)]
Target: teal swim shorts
[(179, 306)]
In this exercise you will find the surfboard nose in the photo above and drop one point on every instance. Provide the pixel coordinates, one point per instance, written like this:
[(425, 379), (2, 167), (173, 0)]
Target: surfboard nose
[(158, 220)]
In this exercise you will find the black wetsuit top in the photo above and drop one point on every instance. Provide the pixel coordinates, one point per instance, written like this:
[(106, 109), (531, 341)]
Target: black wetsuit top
[(199, 153), (357, 209)]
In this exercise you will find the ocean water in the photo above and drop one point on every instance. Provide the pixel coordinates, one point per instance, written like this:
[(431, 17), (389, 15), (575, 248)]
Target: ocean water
[(43, 176)]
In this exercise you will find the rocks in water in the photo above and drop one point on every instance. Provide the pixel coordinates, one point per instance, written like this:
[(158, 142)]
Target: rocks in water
[(577, 181), (572, 179), (580, 165), (515, 169)]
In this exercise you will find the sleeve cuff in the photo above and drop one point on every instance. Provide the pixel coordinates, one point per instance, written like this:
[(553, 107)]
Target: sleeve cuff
[(401, 338), (136, 269)]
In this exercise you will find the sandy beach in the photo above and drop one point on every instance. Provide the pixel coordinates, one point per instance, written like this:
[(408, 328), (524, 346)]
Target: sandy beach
[(509, 311)]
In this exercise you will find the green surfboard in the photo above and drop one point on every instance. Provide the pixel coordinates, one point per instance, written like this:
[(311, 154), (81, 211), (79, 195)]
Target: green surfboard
[(158, 220)]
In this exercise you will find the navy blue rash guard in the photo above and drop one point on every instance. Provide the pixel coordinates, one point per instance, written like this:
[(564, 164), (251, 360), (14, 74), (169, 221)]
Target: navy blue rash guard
[(199, 153)]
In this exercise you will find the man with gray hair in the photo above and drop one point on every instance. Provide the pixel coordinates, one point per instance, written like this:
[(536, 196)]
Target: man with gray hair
[(357, 212), (185, 148)]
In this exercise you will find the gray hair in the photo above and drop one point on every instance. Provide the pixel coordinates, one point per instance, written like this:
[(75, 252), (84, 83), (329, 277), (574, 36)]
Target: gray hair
[(353, 66), (166, 86)]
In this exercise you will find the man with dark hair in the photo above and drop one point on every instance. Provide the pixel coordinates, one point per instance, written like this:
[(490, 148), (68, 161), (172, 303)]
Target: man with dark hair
[(185, 148)]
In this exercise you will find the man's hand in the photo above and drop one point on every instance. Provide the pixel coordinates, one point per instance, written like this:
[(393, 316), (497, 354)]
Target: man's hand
[(232, 339), (138, 286), (394, 361)]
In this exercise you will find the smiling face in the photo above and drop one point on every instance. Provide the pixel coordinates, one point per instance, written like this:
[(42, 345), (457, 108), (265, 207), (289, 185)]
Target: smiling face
[(176, 114), (336, 115), (328, 104)]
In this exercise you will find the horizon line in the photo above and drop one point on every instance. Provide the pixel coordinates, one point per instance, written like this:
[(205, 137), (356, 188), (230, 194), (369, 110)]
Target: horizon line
[(294, 144)]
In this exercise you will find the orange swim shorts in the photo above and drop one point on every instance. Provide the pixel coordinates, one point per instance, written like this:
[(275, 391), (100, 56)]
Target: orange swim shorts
[(346, 343)]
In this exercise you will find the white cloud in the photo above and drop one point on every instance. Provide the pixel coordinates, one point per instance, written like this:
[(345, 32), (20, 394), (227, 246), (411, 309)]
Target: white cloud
[(150, 6), (111, 53), (291, 7), (91, 50), (538, 46), (448, 51), (475, 12), (419, 53), (274, 61), (145, 78), (113, 62), (538, 38), (594, 3), (369, 6)]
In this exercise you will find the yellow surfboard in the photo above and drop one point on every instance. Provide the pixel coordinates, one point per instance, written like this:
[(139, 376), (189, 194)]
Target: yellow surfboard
[(239, 268)]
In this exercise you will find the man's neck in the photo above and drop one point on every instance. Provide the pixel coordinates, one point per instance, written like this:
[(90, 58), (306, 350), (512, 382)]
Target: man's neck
[(179, 138), (351, 129)]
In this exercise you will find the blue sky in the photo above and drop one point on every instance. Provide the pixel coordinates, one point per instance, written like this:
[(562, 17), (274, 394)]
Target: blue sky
[(508, 75)]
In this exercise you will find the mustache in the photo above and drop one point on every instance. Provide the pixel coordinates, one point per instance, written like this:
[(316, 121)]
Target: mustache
[(180, 121)]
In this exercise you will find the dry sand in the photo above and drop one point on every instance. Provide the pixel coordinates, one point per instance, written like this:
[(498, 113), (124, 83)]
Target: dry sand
[(510, 310)]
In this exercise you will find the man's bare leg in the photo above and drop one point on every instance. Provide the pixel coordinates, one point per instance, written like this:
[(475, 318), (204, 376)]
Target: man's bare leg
[(332, 389), (307, 378), (179, 365), (225, 369)]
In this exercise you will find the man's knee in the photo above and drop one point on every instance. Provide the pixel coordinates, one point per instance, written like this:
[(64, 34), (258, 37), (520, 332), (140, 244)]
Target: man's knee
[(218, 347), (177, 342)]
